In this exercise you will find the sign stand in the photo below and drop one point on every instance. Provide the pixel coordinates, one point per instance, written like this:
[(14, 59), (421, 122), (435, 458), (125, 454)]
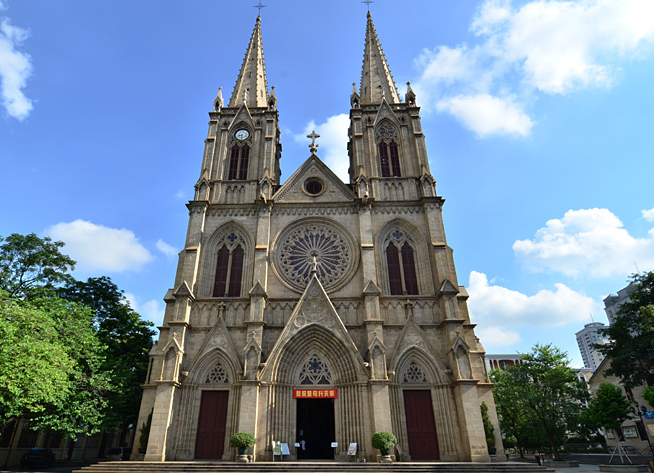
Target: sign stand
[(334, 446)]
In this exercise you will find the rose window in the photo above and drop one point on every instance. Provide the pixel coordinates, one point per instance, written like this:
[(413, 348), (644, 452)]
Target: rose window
[(217, 375), (301, 247), (414, 374)]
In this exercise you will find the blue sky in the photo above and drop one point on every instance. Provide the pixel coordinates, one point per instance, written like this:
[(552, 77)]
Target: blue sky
[(538, 117)]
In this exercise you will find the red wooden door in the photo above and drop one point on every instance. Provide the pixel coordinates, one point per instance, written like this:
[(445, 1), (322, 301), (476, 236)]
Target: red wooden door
[(420, 425), (210, 441)]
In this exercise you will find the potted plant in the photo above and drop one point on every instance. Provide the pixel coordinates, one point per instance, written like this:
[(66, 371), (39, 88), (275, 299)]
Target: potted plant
[(242, 441), (384, 441), (488, 429)]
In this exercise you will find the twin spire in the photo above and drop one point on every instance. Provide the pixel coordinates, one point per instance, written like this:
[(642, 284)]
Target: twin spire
[(376, 80), (252, 86)]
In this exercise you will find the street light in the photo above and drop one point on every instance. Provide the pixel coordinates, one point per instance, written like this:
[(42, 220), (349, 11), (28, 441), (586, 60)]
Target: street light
[(640, 410)]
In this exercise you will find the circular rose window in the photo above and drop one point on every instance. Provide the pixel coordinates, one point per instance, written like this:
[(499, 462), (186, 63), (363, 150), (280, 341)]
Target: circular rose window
[(331, 245)]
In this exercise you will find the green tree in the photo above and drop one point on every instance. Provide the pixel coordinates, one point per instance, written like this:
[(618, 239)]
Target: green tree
[(609, 408), (28, 262), (547, 392), (631, 345), (50, 365), (516, 420), (128, 339)]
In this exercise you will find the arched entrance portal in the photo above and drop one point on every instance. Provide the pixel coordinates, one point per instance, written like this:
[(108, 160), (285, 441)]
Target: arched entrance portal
[(316, 395)]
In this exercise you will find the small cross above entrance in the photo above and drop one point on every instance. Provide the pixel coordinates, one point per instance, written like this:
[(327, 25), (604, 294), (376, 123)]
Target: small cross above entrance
[(313, 146)]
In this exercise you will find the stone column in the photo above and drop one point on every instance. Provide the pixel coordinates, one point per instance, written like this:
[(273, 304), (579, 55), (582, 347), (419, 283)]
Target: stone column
[(472, 427), (249, 410), (161, 419)]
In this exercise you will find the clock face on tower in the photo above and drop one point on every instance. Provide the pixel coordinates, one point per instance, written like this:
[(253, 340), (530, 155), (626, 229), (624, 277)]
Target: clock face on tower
[(242, 134)]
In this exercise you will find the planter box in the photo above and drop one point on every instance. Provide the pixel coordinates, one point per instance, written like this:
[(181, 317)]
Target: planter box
[(625, 468)]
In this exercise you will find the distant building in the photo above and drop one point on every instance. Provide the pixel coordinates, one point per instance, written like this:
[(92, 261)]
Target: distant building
[(501, 362), (587, 339), (635, 431), (504, 361), (612, 302)]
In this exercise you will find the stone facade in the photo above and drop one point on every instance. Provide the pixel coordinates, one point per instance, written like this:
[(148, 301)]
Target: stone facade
[(341, 291)]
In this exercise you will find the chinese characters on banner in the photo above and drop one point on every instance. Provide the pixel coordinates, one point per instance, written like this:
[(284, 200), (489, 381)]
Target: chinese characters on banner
[(315, 393)]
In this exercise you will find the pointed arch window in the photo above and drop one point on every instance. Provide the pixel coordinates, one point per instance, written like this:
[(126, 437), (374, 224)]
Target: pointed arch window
[(238, 162), (389, 156), (229, 269), (315, 371), (401, 265)]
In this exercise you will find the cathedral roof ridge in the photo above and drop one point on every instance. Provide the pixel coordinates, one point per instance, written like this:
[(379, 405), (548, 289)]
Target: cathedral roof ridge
[(376, 79), (252, 84)]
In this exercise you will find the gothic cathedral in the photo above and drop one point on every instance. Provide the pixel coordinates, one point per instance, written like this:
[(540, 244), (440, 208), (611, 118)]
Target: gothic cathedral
[(316, 312)]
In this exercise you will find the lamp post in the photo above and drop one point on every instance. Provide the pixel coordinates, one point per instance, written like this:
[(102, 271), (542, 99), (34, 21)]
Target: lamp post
[(640, 410)]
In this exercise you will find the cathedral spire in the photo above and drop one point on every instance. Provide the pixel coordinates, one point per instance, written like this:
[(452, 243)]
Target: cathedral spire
[(376, 79), (251, 86)]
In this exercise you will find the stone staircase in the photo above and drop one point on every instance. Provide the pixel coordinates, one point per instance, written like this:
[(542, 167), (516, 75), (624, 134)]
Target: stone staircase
[(311, 467)]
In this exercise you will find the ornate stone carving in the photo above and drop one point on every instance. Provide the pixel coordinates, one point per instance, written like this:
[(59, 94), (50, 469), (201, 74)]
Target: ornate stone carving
[(331, 245), (414, 375), (315, 371), (217, 375)]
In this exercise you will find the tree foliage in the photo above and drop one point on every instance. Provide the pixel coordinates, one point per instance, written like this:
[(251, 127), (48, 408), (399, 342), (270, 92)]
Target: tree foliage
[(489, 430), (540, 398), (609, 408), (128, 339), (631, 345), (50, 365), (27, 262), (73, 354)]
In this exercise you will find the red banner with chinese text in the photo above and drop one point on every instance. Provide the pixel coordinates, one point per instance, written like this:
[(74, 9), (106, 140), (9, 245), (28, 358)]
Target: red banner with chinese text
[(315, 393)]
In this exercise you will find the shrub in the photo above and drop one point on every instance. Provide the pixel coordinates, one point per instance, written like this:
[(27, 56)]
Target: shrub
[(242, 440), (383, 440), (489, 430)]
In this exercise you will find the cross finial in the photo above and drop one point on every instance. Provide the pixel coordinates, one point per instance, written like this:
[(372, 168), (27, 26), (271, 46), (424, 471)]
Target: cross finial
[(260, 6), (368, 2), (313, 146)]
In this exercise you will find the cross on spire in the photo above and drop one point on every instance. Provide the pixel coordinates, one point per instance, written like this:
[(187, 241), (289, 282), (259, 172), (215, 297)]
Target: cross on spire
[(261, 5), (313, 146), (368, 2)]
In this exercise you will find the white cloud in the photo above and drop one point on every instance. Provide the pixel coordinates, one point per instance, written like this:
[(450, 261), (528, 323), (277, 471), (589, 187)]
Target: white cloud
[(180, 194), (332, 144), (541, 46), (97, 248), (151, 310), (648, 214), (492, 337), (166, 249), (586, 242), (15, 69), (487, 115), (496, 306)]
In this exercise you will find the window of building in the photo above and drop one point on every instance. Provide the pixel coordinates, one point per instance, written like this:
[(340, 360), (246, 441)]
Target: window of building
[(229, 268), (389, 156), (401, 266), (238, 162)]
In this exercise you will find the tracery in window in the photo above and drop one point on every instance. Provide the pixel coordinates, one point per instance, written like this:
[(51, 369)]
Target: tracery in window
[(400, 259), (229, 267), (414, 374), (217, 375), (315, 371), (389, 156)]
